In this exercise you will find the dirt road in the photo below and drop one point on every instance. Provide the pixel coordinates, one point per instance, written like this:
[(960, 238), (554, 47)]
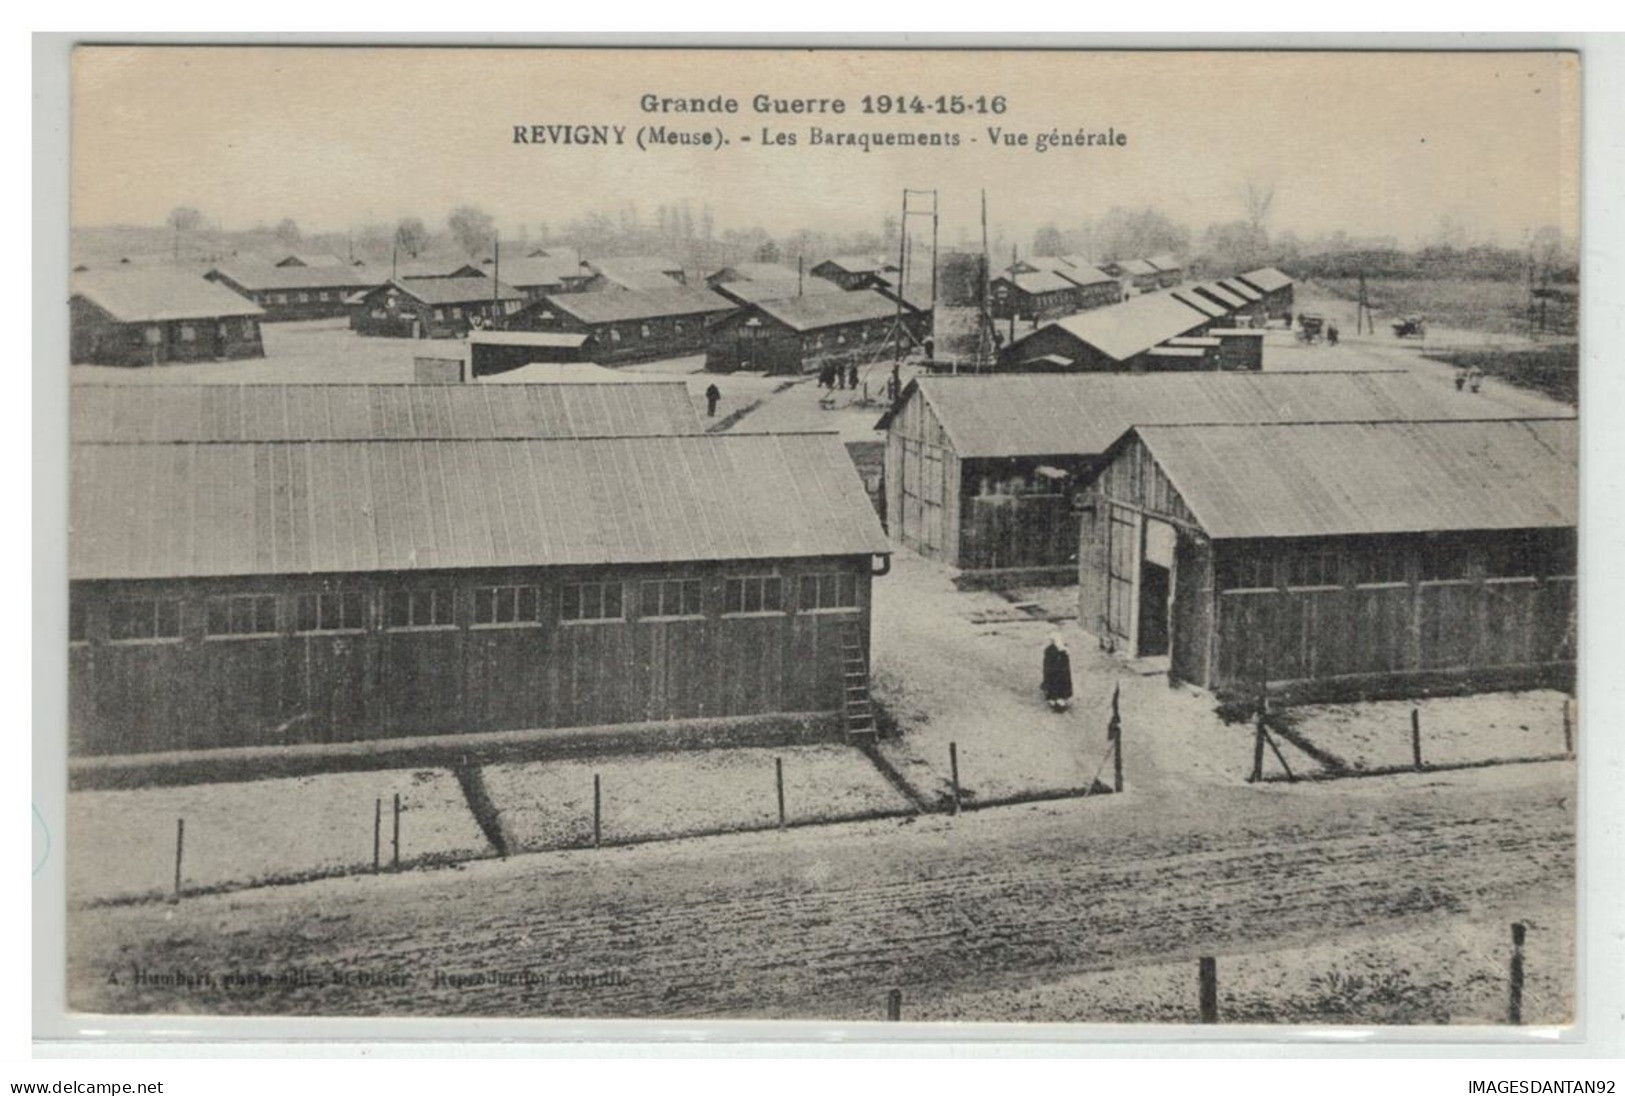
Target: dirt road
[(818, 924)]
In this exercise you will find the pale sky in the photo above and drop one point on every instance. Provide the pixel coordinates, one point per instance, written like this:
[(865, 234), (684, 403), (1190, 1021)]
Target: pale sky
[(1370, 143)]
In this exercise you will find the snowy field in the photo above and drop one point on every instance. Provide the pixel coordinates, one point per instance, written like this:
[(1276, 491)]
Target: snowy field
[(122, 843), (1447, 971), (548, 804), (1456, 730)]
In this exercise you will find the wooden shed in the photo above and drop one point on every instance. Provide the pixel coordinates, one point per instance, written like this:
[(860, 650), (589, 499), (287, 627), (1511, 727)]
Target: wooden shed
[(852, 272), (491, 352), (433, 308), (275, 593), (1034, 295), (642, 273), (982, 473), (794, 335), (1338, 560), (629, 325), (295, 291), (149, 317), (1170, 271), (1108, 339), (1275, 287)]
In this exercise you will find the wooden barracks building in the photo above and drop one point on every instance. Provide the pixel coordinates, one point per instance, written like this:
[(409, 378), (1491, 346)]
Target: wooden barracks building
[(433, 308), (152, 316), (983, 473), (325, 589), (294, 290), (794, 335), (629, 325), (1338, 560)]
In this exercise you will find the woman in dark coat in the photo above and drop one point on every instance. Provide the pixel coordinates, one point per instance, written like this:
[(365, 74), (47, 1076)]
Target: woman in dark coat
[(1057, 674)]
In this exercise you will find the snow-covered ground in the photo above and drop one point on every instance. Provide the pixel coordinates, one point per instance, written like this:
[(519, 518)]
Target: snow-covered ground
[(122, 843), (1448, 971), (548, 804), (1455, 730)]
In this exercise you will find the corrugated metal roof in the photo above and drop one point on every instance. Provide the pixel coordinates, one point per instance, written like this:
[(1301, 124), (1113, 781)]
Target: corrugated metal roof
[(528, 338), (581, 373), (1123, 330), (146, 295), (752, 290), (1015, 414), (127, 413), (526, 272), (1202, 304), (829, 309), (1227, 297), (1137, 266), (178, 511), (1083, 273), (1038, 281), (1241, 289), (261, 277), (861, 264), (629, 305), (1266, 279), (1338, 479), (434, 291)]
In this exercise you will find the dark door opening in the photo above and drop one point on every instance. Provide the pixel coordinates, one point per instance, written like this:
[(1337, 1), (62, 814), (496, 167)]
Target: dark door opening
[(1153, 609)]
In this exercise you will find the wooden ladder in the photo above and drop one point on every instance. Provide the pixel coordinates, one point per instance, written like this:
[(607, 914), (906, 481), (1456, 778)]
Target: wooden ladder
[(856, 711)]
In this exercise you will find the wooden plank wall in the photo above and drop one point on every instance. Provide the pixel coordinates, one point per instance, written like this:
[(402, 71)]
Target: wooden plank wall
[(203, 692), (1392, 630)]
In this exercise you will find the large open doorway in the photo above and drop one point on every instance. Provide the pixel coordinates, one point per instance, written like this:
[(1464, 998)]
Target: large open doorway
[(1156, 588)]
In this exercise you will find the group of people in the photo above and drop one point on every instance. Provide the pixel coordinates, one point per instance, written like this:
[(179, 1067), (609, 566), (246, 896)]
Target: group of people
[(836, 376)]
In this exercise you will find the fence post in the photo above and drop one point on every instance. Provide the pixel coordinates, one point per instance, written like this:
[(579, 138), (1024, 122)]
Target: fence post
[(377, 831), (778, 774), (180, 845), (1416, 737), (894, 1004), (1208, 974), (1258, 750), (1568, 729), (1515, 990), (953, 771), (1117, 742), (597, 811), (395, 838)]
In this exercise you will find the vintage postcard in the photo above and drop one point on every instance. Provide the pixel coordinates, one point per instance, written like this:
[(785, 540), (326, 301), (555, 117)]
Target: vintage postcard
[(822, 534)]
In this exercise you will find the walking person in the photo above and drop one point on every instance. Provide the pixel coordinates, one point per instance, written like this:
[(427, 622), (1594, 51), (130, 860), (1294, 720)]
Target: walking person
[(852, 376), (1057, 674), (713, 396)]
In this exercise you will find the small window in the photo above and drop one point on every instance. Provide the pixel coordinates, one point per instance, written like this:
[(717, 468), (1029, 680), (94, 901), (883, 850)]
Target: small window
[(1380, 566), (153, 335), (591, 601), (672, 597), (834, 591), (420, 609), (188, 333), (78, 621), (644, 331), (250, 329), (242, 615), (1253, 572), (614, 335), (379, 314), (510, 307), (440, 314), (1315, 567), (1513, 556), (304, 298), (756, 594), (135, 619), (678, 327), (1444, 562), (500, 606), (342, 611)]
